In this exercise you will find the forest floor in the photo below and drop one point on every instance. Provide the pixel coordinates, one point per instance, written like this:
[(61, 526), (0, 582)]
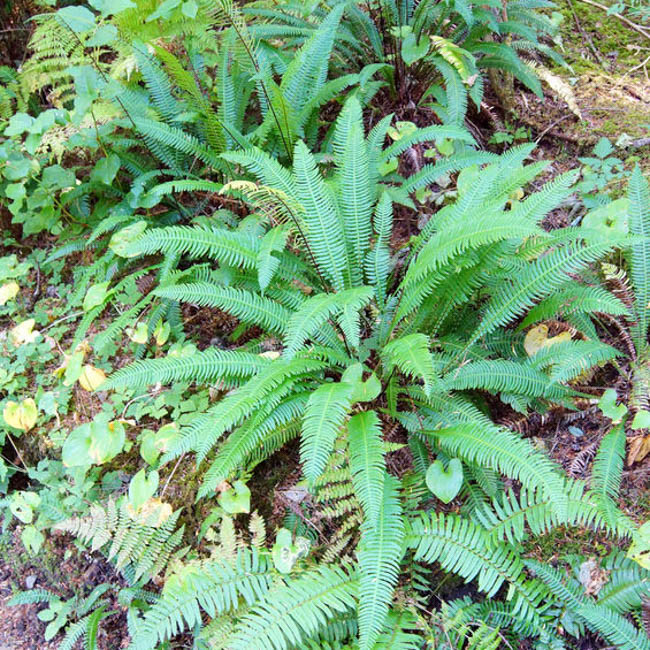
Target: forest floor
[(611, 84)]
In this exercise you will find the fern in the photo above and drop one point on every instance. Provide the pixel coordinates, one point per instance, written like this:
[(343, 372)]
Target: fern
[(213, 586), (639, 253), (144, 548), (296, 610)]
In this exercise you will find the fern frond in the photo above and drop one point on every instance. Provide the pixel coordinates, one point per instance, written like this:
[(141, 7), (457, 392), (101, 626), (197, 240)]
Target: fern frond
[(324, 415), (367, 461), (611, 625), (245, 305), (214, 586), (227, 247), (205, 366), (607, 472), (639, 253), (315, 311), (412, 356), (379, 553), (504, 451), (297, 610), (504, 376), (324, 228), (465, 549), (537, 281)]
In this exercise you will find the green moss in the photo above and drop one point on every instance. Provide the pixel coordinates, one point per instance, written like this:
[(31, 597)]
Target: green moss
[(608, 34), (570, 541)]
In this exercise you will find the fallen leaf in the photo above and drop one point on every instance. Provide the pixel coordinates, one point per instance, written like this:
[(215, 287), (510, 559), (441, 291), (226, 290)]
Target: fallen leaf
[(638, 448), (592, 577), (154, 512), (23, 332), (8, 291), (138, 334), (537, 338), (91, 378), (21, 415)]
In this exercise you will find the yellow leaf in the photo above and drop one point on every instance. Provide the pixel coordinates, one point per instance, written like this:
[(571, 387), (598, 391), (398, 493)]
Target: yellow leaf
[(152, 512), (91, 378), (271, 354), (23, 332), (21, 416), (537, 338), (138, 334), (8, 291)]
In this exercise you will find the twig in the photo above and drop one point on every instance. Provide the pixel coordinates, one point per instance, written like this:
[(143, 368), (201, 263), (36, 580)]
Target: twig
[(585, 35), (60, 320), (546, 130), (169, 478), (13, 444), (627, 21)]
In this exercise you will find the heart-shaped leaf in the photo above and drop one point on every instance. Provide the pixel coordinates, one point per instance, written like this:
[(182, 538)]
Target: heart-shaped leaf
[(641, 420), (445, 484), (21, 415), (236, 499), (607, 405), (142, 488)]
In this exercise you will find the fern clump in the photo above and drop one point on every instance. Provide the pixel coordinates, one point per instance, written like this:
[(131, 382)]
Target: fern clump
[(365, 341)]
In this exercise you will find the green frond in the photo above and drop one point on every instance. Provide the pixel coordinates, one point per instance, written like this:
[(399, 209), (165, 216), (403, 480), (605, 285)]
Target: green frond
[(272, 384), (353, 185), (572, 300), (503, 376), (433, 172), (307, 72), (607, 472), (253, 437), (265, 168), (462, 547), (214, 587), (569, 359), (401, 632), (294, 611), (612, 626), (32, 596), (315, 312), (324, 416), (380, 552), (426, 134), (247, 306), (230, 366), (537, 281), (504, 451), (143, 547), (639, 253), (225, 246), (178, 140), (324, 228), (378, 260), (367, 461), (411, 355), (508, 517), (627, 585)]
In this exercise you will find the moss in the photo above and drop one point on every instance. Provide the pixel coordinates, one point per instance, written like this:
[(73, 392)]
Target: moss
[(617, 45), (576, 541)]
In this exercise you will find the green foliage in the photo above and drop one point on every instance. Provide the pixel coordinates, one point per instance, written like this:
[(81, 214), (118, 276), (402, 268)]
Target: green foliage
[(187, 160)]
